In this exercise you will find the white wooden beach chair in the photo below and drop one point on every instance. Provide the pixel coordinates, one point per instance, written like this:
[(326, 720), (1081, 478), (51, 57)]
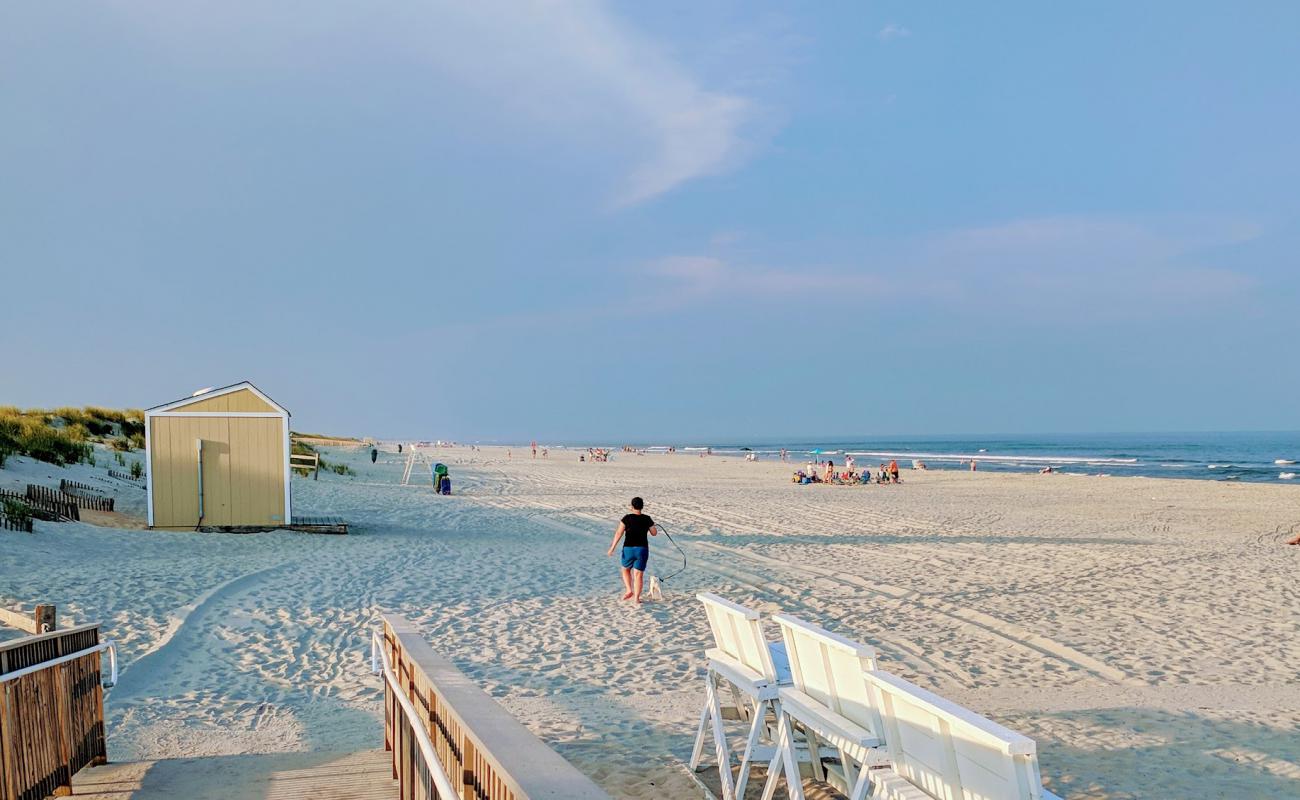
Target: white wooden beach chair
[(938, 749), (831, 700), (751, 666)]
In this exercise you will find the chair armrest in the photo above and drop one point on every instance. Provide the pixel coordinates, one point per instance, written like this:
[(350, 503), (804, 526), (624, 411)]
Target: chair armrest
[(826, 723)]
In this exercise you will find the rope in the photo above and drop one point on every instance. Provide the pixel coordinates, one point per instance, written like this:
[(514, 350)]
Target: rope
[(681, 569)]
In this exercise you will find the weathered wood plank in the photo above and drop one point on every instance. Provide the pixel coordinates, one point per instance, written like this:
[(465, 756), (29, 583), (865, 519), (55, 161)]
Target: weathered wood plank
[(281, 776), (51, 719), (477, 741)]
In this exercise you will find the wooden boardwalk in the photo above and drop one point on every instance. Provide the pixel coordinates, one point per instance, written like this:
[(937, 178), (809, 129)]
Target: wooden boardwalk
[(367, 775)]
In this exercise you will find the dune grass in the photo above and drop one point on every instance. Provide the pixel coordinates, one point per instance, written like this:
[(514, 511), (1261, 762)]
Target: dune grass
[(64, 435)]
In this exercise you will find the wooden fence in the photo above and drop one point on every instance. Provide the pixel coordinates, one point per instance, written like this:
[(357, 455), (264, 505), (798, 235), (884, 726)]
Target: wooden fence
[(68, 487), (8, 523), (49, 510), (487, 754), (306, 462), (41, 619), (51, 712), (324, 441), (78, 497), (126, 476)]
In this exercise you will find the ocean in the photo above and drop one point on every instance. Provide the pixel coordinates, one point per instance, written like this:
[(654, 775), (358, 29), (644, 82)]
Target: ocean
[(1255, 456)]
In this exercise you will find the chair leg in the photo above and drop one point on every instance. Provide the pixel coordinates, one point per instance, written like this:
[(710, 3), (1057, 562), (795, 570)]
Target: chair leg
[(774, 766), (755, 731), (863, 784), (846, 763), (786, 761), (794, 781), (721, 749), (741, 708), (698, 750), (815, 753)]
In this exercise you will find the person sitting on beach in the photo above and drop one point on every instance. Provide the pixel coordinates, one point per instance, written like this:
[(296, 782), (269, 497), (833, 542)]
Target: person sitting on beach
[(632, 529), (882, 474), (866, 476)]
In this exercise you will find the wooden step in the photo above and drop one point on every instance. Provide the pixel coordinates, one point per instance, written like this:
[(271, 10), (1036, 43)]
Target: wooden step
[(365, 775)]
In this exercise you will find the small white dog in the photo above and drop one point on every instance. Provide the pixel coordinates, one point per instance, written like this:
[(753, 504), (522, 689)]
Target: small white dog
[(655, 593)]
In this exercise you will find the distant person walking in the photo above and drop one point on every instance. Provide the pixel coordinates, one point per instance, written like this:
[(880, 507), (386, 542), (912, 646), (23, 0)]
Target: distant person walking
[(632, 529), (374, 455), (399, 448), (534, 449)]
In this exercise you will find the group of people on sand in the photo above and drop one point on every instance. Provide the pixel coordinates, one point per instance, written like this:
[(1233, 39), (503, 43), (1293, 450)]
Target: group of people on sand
[(594, 454), (825, 472)]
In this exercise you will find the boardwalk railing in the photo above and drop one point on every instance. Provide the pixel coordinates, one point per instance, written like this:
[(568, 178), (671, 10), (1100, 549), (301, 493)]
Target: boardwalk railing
[(43, 618), (450, 740), (51, 710)]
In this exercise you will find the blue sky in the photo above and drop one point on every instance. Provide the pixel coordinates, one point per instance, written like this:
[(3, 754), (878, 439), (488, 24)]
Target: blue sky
[(657, 221)]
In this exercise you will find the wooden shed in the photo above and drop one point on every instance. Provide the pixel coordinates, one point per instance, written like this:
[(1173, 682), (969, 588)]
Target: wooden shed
[(218, 459)]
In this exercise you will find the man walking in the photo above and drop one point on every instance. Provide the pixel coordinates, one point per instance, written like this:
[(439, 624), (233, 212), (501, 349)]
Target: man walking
[(632, 529)]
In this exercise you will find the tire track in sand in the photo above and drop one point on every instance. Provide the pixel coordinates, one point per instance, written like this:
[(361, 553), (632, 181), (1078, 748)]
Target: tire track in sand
[(989, 626)]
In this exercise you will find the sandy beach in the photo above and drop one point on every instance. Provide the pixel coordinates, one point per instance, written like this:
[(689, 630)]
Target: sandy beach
[(1142, 631)]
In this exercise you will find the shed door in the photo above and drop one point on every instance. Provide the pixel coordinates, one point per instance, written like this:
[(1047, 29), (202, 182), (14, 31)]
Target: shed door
[(255, 472)]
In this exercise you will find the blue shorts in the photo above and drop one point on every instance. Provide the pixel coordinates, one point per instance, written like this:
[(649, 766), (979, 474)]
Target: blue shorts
[(635, 557)]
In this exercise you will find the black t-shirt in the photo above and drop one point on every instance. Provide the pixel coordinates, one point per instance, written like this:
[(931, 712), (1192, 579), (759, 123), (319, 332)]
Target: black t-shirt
[(636, 526)]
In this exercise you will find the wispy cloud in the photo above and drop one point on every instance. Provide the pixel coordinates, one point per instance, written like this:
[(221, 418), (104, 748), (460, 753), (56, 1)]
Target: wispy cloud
[(702, 277), (1092, 266), (893, 31), (583, 73), (1056, 267), (540, 75)]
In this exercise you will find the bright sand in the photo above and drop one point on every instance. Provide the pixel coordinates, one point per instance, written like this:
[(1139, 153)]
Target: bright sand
[(1143, 631)]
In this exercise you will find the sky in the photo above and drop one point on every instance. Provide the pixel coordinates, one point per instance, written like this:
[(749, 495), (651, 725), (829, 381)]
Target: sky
[(657, 222)]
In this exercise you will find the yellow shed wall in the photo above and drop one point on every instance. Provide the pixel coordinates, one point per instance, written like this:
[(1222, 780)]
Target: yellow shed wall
[(242, 400), (243, 470)]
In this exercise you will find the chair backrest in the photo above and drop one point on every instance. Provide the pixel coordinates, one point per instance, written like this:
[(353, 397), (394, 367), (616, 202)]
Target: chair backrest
[(831, 670), (738, 633), (950, 752)]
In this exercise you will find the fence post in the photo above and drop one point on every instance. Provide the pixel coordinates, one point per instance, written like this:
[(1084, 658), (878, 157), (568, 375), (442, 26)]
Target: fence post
[(46, 619), (8, 781), (63, 728)]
